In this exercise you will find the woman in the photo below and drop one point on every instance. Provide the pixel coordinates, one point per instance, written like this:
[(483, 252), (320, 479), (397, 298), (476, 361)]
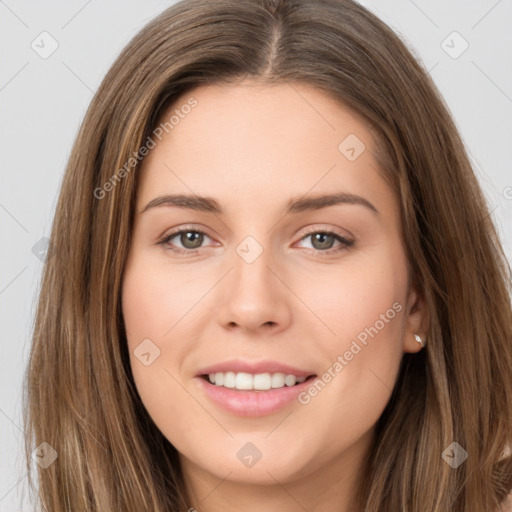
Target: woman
[(278, 284)]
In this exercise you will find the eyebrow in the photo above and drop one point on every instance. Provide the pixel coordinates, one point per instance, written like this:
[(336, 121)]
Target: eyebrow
[(294, 205)]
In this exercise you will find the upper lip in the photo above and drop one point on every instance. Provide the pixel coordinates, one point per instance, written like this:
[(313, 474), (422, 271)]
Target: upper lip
[(254, 367)]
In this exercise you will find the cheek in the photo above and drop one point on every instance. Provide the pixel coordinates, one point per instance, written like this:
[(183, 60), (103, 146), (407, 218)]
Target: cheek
[(155, 301), (358, 300), (150, 307), (164, 311), (363, 308)]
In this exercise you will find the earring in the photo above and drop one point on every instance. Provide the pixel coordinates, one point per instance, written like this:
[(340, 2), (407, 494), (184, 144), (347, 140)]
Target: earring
[(419, 340)]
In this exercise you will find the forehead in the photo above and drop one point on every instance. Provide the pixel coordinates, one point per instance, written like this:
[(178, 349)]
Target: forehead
[(246, 140), (295, 112)]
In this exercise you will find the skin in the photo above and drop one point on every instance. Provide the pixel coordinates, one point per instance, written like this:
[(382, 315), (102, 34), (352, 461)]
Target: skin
[(253, 147)]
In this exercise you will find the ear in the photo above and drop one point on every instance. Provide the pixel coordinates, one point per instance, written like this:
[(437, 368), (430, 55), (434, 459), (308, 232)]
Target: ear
[(416, 322)]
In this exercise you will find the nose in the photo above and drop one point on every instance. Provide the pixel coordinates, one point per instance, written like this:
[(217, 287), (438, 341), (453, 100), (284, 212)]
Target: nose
[(254, 296)]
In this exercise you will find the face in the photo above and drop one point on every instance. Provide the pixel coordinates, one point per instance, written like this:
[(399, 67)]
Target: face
[(285, 258)]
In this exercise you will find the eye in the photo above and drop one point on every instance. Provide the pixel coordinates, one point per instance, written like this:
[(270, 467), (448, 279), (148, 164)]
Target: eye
[(190, 240), (323, 242)]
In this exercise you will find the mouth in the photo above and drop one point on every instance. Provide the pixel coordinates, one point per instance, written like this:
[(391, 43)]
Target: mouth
[(251, 402), (261, 382)]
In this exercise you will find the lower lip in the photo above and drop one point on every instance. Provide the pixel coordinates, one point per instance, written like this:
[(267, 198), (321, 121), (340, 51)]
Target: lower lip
[(252, 403)]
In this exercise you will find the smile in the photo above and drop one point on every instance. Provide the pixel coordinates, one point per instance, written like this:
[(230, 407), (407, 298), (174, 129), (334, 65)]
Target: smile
[(258, 382), (249, 401)]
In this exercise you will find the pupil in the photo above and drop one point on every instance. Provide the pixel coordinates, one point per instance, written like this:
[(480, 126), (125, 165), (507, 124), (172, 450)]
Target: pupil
[(191, 236), (323, 245)]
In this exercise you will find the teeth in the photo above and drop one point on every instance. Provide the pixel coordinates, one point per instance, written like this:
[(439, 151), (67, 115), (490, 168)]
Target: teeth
[(262, 381), (242, 381), (229, 380), (278, 380), (259, 382)]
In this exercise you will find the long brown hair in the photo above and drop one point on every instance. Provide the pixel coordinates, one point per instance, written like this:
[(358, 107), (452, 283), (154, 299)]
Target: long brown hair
[(80, 396)]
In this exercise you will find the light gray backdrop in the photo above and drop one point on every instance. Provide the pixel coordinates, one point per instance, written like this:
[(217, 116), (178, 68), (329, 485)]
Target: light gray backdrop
[(54, 55)]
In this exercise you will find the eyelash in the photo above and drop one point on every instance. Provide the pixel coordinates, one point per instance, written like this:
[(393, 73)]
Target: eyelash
[(344, 242)]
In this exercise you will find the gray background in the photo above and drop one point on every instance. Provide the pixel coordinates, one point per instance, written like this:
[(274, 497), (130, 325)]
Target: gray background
[(43, 100)]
